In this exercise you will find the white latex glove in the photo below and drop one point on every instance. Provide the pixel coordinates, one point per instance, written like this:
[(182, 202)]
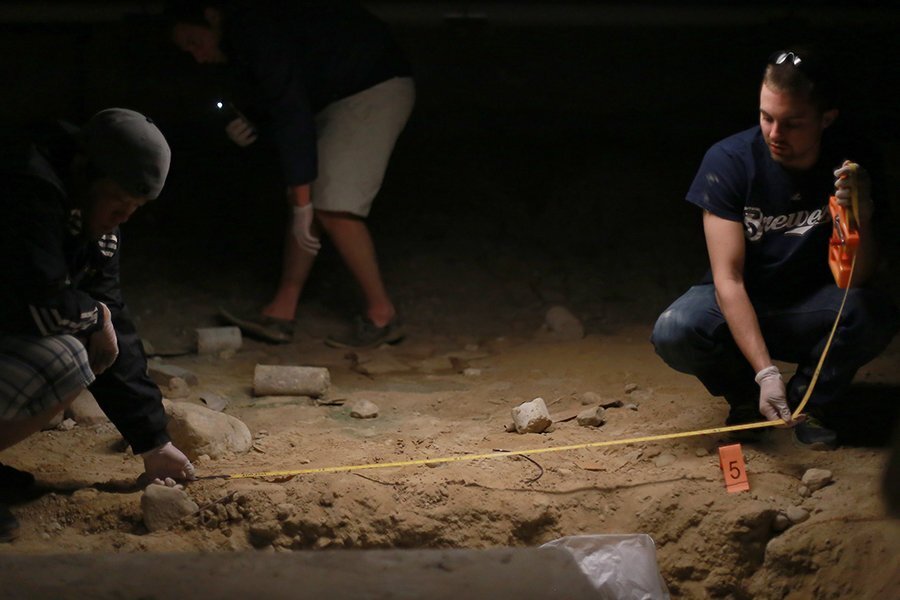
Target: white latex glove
[(102, 346), (302, 229), (772, 396), (851, 176), (241, 132), (166, 463)]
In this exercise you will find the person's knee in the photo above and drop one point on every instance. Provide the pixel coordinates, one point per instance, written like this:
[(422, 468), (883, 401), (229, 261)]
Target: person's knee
[(871, 319), (671, 335)]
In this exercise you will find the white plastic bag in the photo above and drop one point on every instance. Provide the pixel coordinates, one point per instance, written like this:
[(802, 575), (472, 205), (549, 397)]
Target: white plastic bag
[(621, 567)]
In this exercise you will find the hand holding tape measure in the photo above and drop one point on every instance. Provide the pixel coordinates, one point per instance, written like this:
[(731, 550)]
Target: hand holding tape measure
[(850, 206)]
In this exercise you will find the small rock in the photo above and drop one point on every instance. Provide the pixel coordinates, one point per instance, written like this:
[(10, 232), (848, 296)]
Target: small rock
[(804, 491), (67, 425), (164, 506), (214, 401), (701, 452), (630, 387), (631, 406), (816, 479), (531, 417), (284, 511), (781, 522), (797, 514), (161, 373), (664, 460), (197, 430), (327, 499), (363, 409), (471, 372), (263, 534), (592, 417), (178, 389), (652, 452), (590, 399)]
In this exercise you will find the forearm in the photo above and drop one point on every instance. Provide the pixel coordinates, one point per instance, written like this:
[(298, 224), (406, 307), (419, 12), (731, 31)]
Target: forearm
[(742, 321), (298, 195)]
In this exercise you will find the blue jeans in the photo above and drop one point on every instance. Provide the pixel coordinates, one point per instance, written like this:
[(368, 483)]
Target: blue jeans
[(692, 336)]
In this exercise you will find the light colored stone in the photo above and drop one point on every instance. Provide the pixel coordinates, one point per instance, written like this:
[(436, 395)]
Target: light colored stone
[(67, 425), (816, 479), (363, 409), (213, 340), (781, 522), (161, 373), (197, 430), (797, 514), (531, 417), (164, 506), (590, 399), (592, 417), (664, 460), (280, 380), (85, 410)]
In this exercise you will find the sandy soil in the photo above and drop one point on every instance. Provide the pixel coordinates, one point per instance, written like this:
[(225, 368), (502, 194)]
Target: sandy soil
[(486, 220)]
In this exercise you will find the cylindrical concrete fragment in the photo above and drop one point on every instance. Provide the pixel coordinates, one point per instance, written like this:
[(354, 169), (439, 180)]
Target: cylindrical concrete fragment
[(212, 340), (279, 380)]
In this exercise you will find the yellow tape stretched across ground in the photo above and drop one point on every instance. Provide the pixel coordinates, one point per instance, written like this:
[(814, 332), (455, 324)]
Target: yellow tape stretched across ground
[(634, 440)]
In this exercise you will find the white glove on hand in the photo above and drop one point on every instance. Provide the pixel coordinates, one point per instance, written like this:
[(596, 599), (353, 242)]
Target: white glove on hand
[(851, 175), (166, 463), (103, 347), (241, 132), (302, 229), (772, 396)]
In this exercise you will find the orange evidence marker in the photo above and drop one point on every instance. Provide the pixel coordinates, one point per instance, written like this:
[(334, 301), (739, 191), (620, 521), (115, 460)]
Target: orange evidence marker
[(731, 459)]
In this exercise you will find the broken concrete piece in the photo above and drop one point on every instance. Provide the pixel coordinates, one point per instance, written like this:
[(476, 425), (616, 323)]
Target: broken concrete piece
[(162, 373), (197, 430), (816, 479), (278, 380), (363, 409), (592, 417), (531, 417), (164, 506), (85, 411), (212, 340)]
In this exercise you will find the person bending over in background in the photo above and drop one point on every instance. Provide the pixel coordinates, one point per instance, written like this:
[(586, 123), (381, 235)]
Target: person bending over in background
[(63, 324), (334, 92), (769, 294)]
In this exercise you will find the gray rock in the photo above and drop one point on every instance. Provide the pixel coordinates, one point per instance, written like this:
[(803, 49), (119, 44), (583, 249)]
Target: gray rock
[(164, 506), (816, 479), (592, 417), (161, 373), (531, 417), (363, 409), (664, 460), (797, 514), (85, 410), (781, 522), (196, 430)]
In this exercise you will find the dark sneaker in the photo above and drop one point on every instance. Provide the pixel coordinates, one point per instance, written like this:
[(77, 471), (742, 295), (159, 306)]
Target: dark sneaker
[(365, 334), (812, 434), (268, 329), (9, 525), (741, 414)]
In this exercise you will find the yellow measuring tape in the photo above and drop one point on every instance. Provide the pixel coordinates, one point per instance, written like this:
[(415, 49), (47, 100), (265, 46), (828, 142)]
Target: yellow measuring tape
[(634, 440)]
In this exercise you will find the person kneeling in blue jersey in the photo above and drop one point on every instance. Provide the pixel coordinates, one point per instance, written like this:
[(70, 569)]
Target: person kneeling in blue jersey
[(769, 294)]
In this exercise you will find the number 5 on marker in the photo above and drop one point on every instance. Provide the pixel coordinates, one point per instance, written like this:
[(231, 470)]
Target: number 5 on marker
[(731, 459)]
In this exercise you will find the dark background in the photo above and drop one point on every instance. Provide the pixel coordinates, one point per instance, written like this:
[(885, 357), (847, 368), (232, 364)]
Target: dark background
[(558, 132)]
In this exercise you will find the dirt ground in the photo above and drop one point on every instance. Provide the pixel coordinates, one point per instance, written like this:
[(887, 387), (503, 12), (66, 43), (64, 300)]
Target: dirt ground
[(484, 223)]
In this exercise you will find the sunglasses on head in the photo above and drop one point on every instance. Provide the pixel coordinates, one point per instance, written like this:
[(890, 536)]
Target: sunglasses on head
[(783, 56)]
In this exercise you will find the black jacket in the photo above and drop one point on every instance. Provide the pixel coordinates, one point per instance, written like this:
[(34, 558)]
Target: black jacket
[(52, 278), (289, 60)]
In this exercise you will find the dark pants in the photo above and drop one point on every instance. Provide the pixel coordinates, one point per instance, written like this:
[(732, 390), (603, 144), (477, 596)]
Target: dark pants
[(693, 337)]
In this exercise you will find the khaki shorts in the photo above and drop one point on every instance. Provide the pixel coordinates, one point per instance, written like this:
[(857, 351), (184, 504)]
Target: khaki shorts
[(356, 136)]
